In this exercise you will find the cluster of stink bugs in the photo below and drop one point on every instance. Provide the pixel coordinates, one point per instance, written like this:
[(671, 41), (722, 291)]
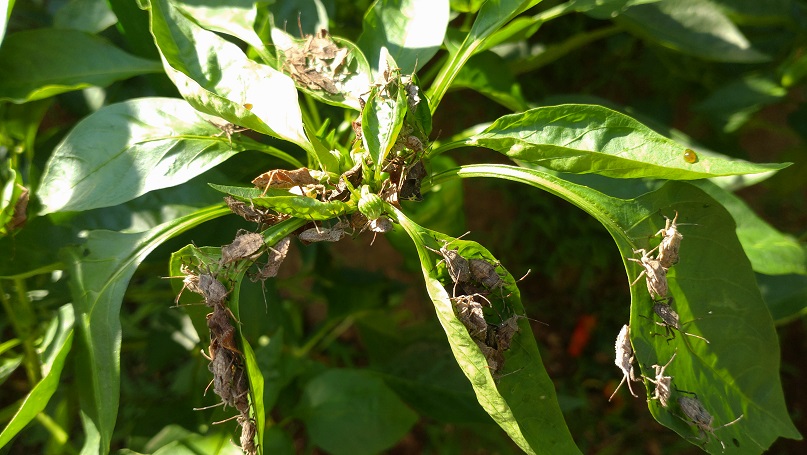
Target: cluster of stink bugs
[(655, 272), (473, 280)]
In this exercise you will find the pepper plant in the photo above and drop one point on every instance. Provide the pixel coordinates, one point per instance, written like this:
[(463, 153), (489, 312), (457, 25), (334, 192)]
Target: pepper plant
[(347, 123)]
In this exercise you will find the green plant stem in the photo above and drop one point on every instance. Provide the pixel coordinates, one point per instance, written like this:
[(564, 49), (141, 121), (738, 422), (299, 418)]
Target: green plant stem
[(22, 320), (555, 52), (313, 111), (323, 331), (59, 435)]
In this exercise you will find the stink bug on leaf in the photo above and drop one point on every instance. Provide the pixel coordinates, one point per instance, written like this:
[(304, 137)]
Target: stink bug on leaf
[(656, 275), (671, 320), (662, 391), (624, 360), (670, 243), (697, 415)]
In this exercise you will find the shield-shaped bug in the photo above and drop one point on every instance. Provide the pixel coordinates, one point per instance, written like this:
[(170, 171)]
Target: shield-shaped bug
[(670, 243), (494, 357), (247, 435), (244, 246), (277, 255), (624, 360), (655, 273), (485, 273), (662, 391), (697, 415), (315, 234), (469, 312), (458, 267), (671, 320)]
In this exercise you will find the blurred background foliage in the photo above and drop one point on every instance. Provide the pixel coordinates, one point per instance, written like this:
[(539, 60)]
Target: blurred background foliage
[(350, 305)]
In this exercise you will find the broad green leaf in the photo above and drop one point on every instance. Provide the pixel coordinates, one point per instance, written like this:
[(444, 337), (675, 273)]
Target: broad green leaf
[(738, 371), (175, 440), (771, 252), (466, 6), (605, 9), (235, 18), (491, 17), (128, 149), (487, 73), (382, 119), (38, 398), (217, 78), (353, 412), (411, 30), (733, 104), (92, 16), (523, 400), (580, 138), (694, 27), (37, 64), (785, 295), (100, 271), (291, 204)]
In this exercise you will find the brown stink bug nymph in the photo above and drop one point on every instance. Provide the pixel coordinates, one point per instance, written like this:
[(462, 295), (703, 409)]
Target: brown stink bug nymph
[(670, 243), (697, 415), (662, 391), (624, 360), (458, 267), (655, 273), (469, 312), (671, 320), (244, 246)]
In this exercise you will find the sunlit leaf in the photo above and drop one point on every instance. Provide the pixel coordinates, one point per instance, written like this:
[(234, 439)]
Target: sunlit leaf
[(738, 371), (100, 271), (522, 403), (411, 30), (37, 64), (581, 138), (217, 78), (282, 201), (128, 149)]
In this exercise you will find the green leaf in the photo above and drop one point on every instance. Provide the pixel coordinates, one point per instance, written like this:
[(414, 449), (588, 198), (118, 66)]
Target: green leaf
[(282, 201), (492, 16), (694, 27), (771, 252), (353, 412), (738, 372), (38, 398), (186, 443), (488, 74), (382, 119), (5, 11), (99, 274), (785, 295), (733, 104), (217, 78), (235, 18), (581, 138), (412, 31), (523, 402), (128, 149), (92, 16), (312, 15), (37, 64)]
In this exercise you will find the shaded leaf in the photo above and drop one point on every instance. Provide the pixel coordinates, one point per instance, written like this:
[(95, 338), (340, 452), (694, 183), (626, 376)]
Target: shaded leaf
[(91, 16), (38, 398), (128, 149), (694, 27), (37, 64), (522, 403), (581, 138), (412, 31), (217, 78), (99, 275), (487, 73), (353, 412), (770, 251), (733, 104)]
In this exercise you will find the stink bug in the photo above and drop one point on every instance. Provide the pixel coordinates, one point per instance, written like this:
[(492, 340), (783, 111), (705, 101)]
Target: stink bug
[(697, 415), (624, 359), (458, 267), (670, 243), (244, 246), (656, 275), (469, 312), (671, 320), (662, 391)]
